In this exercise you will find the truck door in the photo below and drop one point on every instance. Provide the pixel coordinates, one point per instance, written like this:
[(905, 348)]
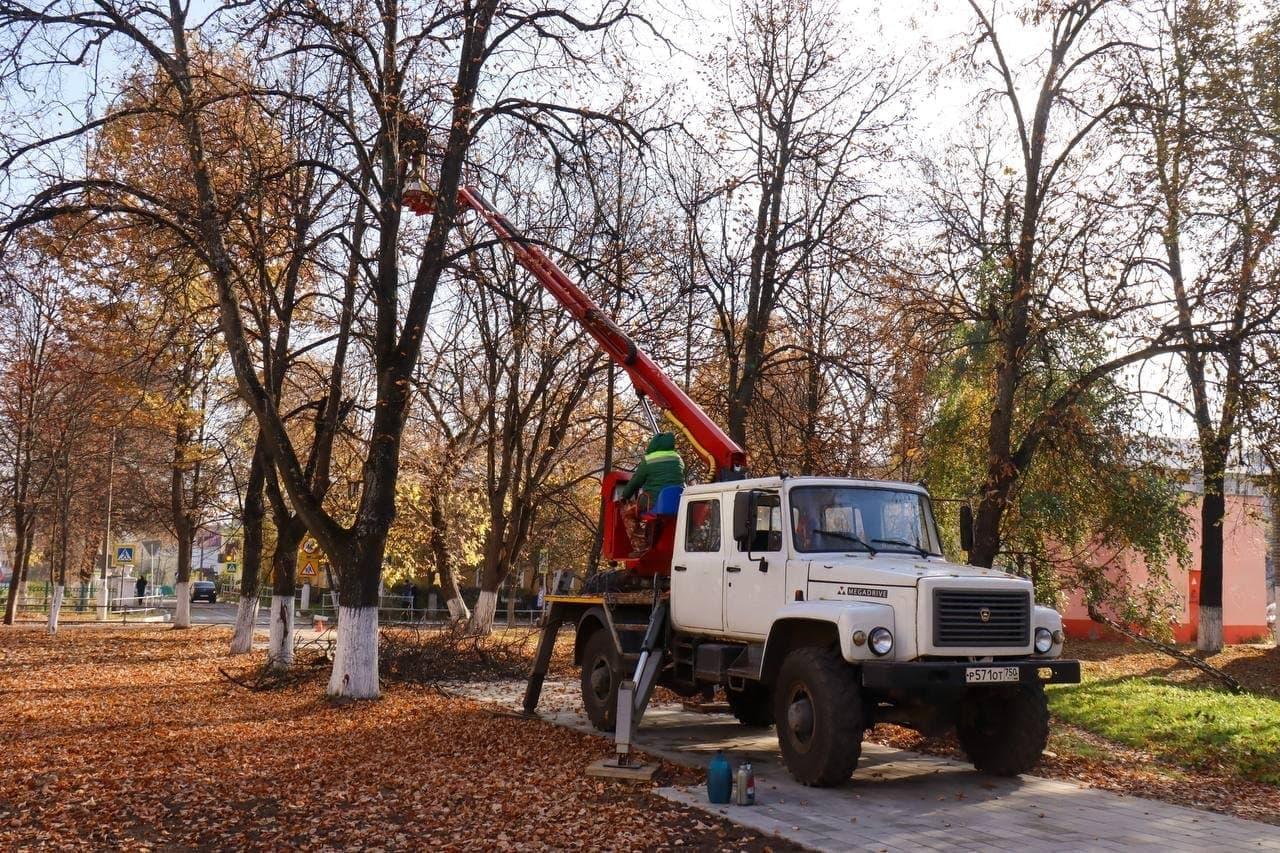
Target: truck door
[(697, 570), (755, 576)]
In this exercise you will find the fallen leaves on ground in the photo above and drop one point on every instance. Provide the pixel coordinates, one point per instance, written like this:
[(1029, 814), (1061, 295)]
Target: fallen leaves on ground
[(132, 738), (1257, 667)]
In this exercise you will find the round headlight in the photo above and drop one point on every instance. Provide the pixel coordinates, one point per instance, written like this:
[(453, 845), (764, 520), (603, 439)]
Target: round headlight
[(1044, 640), (881, 641)]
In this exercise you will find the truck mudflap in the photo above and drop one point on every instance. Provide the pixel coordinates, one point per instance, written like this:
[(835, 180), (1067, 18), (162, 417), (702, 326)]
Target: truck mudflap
[(917, 674)]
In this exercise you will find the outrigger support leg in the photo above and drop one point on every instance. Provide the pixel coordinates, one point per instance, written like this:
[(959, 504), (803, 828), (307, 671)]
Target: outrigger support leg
[(542, 660), (633, 698)]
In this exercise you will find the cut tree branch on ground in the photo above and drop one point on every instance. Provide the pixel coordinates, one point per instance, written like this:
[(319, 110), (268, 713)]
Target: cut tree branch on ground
[(266, 676), (1168, 649), (434, 655)]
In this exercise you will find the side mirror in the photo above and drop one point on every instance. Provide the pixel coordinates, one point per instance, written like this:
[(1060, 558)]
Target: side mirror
[(744, 517), (966, 528)]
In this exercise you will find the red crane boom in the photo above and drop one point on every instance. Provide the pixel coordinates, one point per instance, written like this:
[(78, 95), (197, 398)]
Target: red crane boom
[(725, 457)]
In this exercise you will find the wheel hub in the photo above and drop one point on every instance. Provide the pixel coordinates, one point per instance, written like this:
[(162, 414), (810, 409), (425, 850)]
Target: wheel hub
[(800, 718), (601, 680)]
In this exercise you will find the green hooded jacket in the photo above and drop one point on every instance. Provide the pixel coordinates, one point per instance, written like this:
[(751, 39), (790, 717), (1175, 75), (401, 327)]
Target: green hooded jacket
[(661, 467)]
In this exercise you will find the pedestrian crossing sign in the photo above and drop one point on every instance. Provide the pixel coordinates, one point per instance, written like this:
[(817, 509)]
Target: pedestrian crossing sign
[(308, 569), (231, 568), (124, 553)]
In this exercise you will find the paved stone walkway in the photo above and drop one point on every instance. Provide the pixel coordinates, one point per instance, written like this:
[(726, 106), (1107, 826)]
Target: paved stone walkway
[(900, 801)]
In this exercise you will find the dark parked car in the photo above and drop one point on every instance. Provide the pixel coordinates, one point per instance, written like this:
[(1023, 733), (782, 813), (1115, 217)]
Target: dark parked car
[(204, 590)]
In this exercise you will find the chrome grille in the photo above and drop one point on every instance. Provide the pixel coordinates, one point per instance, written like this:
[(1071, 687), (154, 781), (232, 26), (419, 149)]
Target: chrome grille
[(980, 617)]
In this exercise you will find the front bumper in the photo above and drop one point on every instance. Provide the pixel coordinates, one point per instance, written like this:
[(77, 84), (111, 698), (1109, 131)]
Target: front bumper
[(888, 675)]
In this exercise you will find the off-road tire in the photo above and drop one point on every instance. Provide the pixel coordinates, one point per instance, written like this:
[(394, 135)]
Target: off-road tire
[(601, 675), (1004, 730), (752, 705), (821, 749)]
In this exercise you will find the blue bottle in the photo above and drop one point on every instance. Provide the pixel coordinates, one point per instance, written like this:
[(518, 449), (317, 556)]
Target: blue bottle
[(719, 778)]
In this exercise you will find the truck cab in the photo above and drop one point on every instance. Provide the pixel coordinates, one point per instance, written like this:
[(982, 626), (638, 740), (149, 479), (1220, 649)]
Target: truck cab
[(753, 556), (825, 605)]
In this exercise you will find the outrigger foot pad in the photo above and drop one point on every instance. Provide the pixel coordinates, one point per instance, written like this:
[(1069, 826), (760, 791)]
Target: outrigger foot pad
[(613, 768)]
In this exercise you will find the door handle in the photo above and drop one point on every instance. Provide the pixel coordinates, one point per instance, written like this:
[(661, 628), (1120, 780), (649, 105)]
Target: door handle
[(679, 568), (733, 568)]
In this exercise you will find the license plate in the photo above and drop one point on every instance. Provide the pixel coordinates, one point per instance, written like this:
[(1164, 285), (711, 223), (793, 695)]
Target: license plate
[(990, 674)]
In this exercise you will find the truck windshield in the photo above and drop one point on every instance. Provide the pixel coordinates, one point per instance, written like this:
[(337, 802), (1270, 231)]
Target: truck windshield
[(861, 518)]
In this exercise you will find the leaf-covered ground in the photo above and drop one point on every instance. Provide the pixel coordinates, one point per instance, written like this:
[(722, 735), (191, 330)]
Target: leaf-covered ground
[(133, 739), (1257, 667)]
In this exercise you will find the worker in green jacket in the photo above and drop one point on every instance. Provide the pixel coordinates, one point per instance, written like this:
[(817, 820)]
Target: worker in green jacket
[(661, 467)]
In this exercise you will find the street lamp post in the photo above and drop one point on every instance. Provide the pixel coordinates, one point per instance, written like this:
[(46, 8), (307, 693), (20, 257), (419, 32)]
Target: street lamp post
[(103, 592)]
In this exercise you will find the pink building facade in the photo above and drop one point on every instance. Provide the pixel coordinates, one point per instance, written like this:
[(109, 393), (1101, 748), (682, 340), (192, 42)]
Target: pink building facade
[(1245, 593)]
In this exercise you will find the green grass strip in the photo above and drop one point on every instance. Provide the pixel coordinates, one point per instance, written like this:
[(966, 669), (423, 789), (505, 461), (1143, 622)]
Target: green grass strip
[(1193, 727)]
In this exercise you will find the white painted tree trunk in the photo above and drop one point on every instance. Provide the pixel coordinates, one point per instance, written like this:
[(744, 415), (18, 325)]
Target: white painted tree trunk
[(103, 602), (55, 607), (355, 662), (482, 617), (458, 610), (280, 644), (1276, 599), (1209, 635), (182, 606), (246, 616), (1275, 552)]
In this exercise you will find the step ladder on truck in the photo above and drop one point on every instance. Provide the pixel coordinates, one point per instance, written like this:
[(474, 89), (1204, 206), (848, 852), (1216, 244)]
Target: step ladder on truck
[(819, 605)]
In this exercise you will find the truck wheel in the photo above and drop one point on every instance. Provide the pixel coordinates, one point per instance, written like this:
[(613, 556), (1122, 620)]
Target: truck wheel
[(817, 704), (601, 676), (752, 705), (1004, 730)]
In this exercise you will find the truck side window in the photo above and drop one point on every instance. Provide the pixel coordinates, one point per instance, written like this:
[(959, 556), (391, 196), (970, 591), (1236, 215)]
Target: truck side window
[(768, 524), (702, 527)]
